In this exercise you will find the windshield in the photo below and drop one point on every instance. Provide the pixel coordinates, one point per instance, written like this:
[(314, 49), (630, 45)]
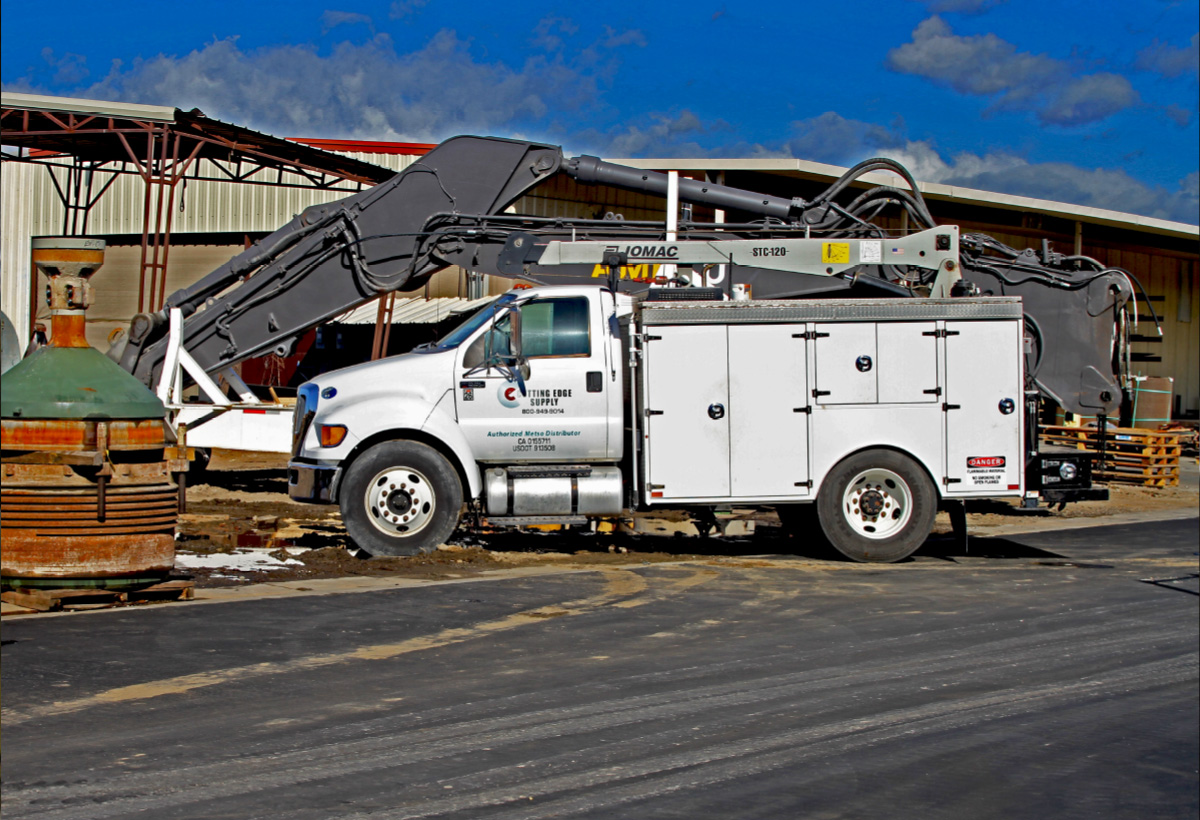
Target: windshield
[(461, 333)]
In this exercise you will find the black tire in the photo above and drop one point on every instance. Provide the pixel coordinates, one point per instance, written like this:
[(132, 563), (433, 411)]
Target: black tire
[(877, 506), (400, 498)]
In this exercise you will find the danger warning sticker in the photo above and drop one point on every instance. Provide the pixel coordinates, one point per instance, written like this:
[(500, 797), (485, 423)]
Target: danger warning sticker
[(980, 462)]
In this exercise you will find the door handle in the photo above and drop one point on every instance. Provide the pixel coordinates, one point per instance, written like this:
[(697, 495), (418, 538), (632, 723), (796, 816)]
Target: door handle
[(716, 411)]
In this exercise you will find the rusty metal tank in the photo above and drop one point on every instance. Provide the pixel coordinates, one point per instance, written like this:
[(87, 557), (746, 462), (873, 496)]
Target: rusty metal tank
[(90, 490)]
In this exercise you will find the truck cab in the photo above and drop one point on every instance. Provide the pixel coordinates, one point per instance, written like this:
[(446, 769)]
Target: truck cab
[(533, 380)]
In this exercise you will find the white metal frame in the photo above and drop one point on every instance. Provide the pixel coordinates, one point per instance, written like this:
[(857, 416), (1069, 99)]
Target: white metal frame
[(218, 422)]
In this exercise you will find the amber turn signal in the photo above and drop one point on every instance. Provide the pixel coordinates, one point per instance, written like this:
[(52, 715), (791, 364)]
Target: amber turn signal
[(332, 434)]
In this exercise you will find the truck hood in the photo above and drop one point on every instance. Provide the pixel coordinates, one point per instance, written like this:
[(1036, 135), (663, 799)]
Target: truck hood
[(421, 376)]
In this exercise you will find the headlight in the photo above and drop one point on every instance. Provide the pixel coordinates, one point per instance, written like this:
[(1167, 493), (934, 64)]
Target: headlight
[(1067, 471)]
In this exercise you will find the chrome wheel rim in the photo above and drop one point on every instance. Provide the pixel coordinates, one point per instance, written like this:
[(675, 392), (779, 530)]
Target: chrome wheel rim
[(877, 503), (400, 501)]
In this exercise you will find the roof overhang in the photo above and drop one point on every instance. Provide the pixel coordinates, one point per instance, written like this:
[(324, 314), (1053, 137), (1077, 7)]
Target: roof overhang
[(95, 108), (102, 132)]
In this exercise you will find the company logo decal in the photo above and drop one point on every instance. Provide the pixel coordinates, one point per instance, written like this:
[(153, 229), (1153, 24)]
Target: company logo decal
[(668, 252), (509, 395)]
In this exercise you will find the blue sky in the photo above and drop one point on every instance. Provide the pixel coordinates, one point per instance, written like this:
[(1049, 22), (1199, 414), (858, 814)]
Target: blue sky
[(1089, 103)]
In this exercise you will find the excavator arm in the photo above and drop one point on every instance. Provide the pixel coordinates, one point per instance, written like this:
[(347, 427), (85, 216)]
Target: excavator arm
[(452, 207), (334, 257)]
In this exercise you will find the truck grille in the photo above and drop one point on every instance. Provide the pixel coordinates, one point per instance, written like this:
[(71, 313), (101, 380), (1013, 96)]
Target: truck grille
[(300, 422)]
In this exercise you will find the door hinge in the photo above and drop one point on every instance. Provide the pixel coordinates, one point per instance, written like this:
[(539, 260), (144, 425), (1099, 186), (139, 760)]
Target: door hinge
[(810, 335), (946, 407), (948, 480), (802, 410), (654, 412), (657, 486), (940, 334), (937, 391), (649, 338), (818, 393), (807, 484)]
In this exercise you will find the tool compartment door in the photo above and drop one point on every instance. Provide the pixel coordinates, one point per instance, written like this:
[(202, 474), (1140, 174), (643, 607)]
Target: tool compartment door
[(768, 392), (845, 363), (983, 408), (687, 411), (908, 366)]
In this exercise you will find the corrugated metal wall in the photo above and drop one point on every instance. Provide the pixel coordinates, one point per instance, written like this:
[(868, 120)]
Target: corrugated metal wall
[(200, 206), (16, 218), (563, 196), (1173, 284)]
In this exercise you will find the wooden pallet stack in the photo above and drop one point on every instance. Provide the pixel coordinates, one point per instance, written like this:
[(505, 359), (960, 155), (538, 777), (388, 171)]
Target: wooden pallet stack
[(1131, 456), (55, 600)]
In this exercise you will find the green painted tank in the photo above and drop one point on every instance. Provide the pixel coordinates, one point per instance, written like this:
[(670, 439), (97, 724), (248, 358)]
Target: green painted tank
[(74, 383), (90, 495)]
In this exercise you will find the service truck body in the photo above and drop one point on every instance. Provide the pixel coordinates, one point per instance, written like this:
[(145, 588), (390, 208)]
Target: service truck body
[(618, 406)]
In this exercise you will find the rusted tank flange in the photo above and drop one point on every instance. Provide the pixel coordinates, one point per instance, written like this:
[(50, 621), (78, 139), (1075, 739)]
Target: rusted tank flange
[(58, 537)]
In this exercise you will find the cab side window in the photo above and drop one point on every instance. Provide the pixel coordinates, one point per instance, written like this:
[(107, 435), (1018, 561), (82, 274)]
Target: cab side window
[(555, 327)]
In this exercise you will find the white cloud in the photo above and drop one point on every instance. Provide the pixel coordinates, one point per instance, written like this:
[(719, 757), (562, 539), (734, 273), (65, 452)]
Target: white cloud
[(1007, 172), (368, 90), (675, 135), (986, 65), (1170, 61), (372, 90), (963, 6), (332, 19), (68, 69), (834, 139), (405, 8)]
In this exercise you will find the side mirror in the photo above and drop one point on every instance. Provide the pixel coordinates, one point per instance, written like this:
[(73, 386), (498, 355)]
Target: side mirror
[(502, 350)]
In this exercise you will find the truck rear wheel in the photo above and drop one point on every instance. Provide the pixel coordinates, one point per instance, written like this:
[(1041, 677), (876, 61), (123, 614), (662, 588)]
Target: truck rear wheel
[(877, 506), (400, 498)]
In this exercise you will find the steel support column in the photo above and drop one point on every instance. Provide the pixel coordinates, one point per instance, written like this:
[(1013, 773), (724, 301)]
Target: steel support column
[(161, 171)]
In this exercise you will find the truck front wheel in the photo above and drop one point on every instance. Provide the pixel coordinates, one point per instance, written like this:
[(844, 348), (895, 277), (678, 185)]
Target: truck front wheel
[(877, 506), (400, 498)]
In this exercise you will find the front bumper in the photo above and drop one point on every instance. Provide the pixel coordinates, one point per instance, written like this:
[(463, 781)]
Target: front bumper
[(313, 483)]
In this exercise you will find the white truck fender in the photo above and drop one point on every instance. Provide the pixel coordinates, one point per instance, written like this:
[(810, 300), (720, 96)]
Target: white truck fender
[(825, 459), (381, 414), (442, 424)]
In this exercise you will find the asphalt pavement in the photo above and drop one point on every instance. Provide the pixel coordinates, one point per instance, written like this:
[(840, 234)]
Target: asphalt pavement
[(1037, 675)]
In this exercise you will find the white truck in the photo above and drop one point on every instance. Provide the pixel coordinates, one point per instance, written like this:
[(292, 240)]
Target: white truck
[(561, 403), (877, 374)]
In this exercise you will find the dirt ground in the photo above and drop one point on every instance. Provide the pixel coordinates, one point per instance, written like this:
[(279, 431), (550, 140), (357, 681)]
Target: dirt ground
[(239, 508)]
